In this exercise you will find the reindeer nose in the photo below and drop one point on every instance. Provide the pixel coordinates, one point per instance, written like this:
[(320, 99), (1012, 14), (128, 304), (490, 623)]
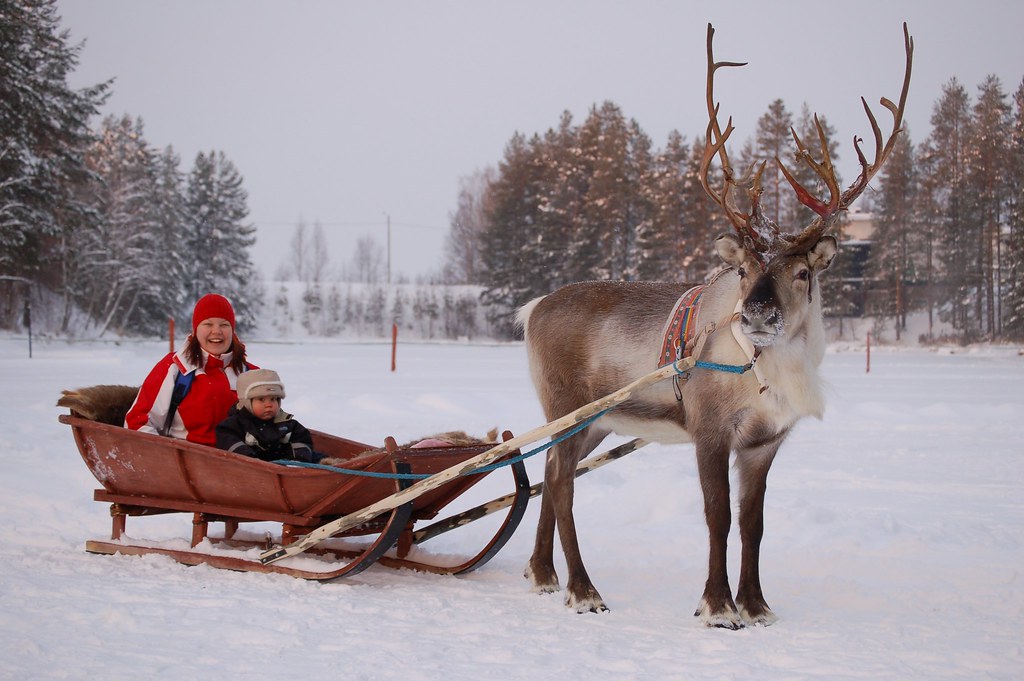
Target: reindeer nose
[(761, 320)]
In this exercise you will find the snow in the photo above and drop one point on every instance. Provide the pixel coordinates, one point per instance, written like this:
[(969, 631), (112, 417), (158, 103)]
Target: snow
[(894, 542)]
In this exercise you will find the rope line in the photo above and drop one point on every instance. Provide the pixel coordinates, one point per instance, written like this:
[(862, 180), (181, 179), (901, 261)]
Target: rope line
[(713, 366), (730, 368), (478, 471)]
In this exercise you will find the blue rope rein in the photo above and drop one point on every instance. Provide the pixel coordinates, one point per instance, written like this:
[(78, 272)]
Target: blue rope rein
[(713, 366), (730, 368), (479, 471)]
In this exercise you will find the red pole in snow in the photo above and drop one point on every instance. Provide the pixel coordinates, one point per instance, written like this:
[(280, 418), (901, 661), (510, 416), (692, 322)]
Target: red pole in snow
[(170, 331), (394, 344), (868, 369)]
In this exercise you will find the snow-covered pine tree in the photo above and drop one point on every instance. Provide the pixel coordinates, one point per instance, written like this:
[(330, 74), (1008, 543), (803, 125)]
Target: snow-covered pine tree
[(282, 314), (312, 307), (127, 275), (943, 159), (566, 181), (510, 238), (219, 239), (604, 241), (639, 200), (398, 309), (898, 241), (774, 139), (45, 132), (987, 180), (376, 303), (466, 309), (334, 312), (662, 243), (169, 288), (1013, 273)]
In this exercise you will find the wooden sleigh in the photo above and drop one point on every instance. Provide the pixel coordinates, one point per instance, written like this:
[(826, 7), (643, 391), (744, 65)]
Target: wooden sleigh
[(143, 474)]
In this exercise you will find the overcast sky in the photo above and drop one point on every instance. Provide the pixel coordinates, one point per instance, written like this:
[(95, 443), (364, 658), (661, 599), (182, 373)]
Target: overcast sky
[(347, 112)]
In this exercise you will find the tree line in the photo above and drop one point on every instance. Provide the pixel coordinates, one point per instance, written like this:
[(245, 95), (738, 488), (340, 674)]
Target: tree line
[(355, 300), (596, 201), (950, 238), (123, 236)]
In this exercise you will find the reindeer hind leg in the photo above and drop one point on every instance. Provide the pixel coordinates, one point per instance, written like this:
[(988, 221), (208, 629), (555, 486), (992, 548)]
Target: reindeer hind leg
[(540, 569), (559, 487)]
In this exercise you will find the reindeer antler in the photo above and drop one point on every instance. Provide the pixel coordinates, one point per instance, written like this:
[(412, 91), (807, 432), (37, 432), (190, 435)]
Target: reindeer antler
[(753, 227), (827, 213), (760, 230)]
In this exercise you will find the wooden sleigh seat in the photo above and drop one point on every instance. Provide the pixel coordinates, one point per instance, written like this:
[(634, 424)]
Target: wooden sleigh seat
[(143, 474)]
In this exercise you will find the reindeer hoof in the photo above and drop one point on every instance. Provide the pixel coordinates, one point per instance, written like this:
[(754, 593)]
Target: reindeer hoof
[(725, 617), (764, 617), (538, 585), (593, 604)]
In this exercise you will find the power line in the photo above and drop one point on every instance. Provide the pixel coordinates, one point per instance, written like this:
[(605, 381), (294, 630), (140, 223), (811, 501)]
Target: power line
[(271, 223)]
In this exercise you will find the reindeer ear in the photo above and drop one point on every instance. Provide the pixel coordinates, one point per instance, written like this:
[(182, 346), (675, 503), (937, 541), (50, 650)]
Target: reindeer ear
[(821, 256), (730, 249)]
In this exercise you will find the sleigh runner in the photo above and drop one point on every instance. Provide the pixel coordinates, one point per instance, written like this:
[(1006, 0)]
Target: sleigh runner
[(143, 474)]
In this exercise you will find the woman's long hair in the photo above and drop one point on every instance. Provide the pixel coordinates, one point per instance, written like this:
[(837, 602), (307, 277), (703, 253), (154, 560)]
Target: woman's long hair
[(194, 353)]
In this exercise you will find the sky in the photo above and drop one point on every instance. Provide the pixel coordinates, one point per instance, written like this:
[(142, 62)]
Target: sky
[(354, 115)]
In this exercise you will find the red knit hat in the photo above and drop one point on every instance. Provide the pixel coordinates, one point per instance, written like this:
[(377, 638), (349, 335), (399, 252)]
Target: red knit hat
[(212, 305)]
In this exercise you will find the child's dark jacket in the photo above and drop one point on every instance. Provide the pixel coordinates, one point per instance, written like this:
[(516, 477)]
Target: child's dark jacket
[(283, 438)]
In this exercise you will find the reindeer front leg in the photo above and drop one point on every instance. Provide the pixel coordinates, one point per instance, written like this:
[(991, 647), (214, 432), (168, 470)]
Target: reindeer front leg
[(716, 607), (753, 464)]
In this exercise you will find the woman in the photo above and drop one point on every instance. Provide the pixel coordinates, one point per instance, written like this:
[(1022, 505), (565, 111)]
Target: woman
[(205, 369)]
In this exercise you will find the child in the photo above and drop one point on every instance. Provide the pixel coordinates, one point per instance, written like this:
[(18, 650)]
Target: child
[(258, 427)]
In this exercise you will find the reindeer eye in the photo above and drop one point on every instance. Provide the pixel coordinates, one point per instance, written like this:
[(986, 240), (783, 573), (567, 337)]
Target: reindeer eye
[(803, 275), (742, 272)]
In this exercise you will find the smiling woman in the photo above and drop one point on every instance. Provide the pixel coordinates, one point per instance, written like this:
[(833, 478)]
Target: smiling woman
[(205, 371)]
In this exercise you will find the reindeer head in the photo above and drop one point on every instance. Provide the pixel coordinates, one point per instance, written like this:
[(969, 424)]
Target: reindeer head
[(778, 269)]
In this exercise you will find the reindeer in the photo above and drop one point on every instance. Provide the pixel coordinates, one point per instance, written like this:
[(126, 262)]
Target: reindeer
[(588, 339)]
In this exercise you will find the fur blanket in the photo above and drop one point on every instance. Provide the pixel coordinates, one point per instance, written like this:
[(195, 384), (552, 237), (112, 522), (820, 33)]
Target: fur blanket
[(452, 438), (104, 403)]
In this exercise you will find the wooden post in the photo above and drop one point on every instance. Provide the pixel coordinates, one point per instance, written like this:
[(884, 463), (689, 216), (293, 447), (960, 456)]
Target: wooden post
[(868, 369), (394, 344), (27, 320), (170, 331)]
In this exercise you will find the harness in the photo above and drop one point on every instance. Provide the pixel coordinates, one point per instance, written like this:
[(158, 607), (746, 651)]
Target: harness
[(681, 327), (684, 338)]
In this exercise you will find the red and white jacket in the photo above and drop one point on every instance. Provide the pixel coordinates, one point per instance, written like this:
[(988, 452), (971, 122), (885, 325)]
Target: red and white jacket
[(209, 398)]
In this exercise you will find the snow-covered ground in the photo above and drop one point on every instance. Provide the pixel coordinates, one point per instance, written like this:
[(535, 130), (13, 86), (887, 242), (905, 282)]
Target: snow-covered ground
[(894, 545)]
